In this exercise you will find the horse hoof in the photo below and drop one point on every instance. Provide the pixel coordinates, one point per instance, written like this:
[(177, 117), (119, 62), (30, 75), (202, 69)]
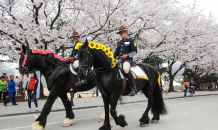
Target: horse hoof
[(37, 126), (154, 121), (105, 128), (126, 124), (142, 124), (67, 122)]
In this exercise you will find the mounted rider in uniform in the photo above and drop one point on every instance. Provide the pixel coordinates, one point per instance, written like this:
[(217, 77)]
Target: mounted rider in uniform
[(74, 55), (126, 49)]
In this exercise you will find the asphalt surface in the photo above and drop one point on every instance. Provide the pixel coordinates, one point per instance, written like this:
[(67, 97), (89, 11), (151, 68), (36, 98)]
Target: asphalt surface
[(193, 113)]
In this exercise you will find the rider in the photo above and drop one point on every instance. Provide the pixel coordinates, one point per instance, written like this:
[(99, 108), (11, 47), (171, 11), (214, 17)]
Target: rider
[(126, 49), (74, 55)]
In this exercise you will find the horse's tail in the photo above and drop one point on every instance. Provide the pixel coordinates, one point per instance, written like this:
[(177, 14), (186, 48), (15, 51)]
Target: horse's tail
[(158, 99)]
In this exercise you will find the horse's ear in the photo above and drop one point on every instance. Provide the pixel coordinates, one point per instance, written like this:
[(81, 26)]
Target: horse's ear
[(24, 49), (86, 43)]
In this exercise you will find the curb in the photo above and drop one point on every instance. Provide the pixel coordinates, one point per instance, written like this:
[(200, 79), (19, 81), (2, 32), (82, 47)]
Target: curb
[(96, 106)]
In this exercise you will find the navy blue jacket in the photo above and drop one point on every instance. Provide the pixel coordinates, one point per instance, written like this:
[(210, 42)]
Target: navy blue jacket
[(126, 46), (11, 86), (74, 53)]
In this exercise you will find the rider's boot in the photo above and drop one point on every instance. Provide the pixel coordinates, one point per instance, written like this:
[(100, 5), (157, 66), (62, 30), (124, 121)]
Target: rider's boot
[(132, 82)]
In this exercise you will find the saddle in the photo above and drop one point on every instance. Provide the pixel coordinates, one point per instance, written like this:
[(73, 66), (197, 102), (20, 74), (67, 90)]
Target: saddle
[(136, 71)]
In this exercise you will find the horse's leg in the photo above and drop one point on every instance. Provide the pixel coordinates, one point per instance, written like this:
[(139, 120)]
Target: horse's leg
[(69, 113), (156, 116), (106, 125), (121, 119), (41, 120), (145, 118)]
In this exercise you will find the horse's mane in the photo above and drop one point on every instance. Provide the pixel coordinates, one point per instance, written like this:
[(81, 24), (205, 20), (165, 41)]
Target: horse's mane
[(100, 56), (45, 60)]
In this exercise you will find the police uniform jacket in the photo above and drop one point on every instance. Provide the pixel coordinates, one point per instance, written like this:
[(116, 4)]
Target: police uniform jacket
[(126, 46), (74, 53)]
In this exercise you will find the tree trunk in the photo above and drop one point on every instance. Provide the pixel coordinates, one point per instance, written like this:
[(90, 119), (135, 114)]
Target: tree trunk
[(197, 81), (171, 78)]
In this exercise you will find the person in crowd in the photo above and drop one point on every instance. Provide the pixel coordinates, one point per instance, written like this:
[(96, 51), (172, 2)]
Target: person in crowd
[(185, 87), (11, 91), (192, 87), (31, 87), (6, 77), (72, 96), (3, 88), (166, 85)]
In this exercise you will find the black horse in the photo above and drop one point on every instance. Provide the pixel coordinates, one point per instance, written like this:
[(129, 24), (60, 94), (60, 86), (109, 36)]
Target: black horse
[(59, 80), (107, 79)]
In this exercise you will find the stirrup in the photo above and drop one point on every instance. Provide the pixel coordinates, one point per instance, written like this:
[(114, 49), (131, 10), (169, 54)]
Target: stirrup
[(79, 83)]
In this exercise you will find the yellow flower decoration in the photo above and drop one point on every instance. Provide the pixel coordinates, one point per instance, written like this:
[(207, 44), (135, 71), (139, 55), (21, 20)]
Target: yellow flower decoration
[(107, 51), (113, 60), (92, 45), (97, 46), (110, 55), (113, 65), (103, 47), (78, 45)]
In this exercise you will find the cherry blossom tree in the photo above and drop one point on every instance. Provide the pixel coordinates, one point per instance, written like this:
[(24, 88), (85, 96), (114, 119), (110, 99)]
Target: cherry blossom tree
[(160, 27)]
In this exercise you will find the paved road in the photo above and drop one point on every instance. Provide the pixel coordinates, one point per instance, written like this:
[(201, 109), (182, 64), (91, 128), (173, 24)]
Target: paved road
[(22, 107), (197, 113)]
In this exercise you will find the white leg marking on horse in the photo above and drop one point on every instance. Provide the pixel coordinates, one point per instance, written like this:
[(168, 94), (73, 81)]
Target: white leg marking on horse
[(37, 126), (67, 122)]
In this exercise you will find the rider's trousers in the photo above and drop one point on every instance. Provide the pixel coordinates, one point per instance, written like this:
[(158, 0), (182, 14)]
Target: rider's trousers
[(76, 64), (126, 67)]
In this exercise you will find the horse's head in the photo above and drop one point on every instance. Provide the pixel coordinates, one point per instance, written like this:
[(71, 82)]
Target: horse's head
[(86, 59), (24, 63), (96, 55)]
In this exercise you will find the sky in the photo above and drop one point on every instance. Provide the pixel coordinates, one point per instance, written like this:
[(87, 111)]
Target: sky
[(208, 6)]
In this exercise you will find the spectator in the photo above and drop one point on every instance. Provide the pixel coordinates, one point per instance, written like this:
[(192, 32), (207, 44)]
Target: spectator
[(6, 77), (11, 91), (31, 87), (3, 88), (210, 86), (192, 87), (72, 96), (166, 85), (185, 87)]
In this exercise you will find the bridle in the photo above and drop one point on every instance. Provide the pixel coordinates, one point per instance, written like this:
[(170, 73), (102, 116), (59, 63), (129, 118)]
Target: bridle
[(89, 67), (24, 68)]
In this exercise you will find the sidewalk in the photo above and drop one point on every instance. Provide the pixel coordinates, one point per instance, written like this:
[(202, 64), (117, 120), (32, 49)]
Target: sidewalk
[(82, 103)]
